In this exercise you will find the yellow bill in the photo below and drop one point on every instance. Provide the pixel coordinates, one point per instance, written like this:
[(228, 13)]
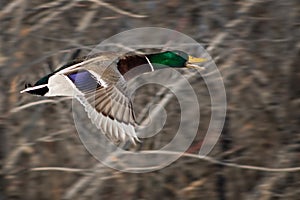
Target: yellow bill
[(192, 60)]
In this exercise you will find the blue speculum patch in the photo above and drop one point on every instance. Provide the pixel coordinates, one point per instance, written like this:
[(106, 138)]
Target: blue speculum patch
[(84, 81)]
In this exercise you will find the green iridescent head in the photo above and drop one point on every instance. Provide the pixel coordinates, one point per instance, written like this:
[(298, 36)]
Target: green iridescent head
[(175, 58)]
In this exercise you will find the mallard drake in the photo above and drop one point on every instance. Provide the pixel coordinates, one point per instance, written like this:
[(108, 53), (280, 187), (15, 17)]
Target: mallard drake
[(99, 84)]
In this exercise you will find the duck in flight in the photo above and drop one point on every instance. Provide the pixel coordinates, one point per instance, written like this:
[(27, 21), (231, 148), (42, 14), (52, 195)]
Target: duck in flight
[(99, 84)]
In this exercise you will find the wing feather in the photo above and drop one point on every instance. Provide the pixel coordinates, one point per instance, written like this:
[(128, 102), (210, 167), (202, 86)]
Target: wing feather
[(107, 113), (104, 97)]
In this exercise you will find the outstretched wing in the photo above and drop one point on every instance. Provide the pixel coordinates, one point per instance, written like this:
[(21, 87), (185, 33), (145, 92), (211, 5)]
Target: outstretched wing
[(106, 104)]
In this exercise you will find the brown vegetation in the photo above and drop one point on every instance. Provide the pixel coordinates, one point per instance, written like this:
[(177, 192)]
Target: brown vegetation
[(256, 47)]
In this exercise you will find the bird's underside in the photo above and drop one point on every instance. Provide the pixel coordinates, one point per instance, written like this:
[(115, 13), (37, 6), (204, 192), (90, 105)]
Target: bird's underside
[(99, 82)]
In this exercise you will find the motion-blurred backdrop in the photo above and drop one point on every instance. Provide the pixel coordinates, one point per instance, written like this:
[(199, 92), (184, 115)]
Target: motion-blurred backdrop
[(256, 47)]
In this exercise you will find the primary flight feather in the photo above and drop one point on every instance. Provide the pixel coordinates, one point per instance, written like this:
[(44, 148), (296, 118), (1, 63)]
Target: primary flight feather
[(99, 84)]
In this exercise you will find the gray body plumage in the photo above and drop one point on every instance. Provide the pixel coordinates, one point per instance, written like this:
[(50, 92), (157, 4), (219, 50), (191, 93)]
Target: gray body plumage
[(99, 84), (106, 101)]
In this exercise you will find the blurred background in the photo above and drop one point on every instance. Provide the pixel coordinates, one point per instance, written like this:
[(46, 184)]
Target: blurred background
[(256, 47)]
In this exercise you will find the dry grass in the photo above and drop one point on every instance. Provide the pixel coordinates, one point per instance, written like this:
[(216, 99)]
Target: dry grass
[(256, 47)]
